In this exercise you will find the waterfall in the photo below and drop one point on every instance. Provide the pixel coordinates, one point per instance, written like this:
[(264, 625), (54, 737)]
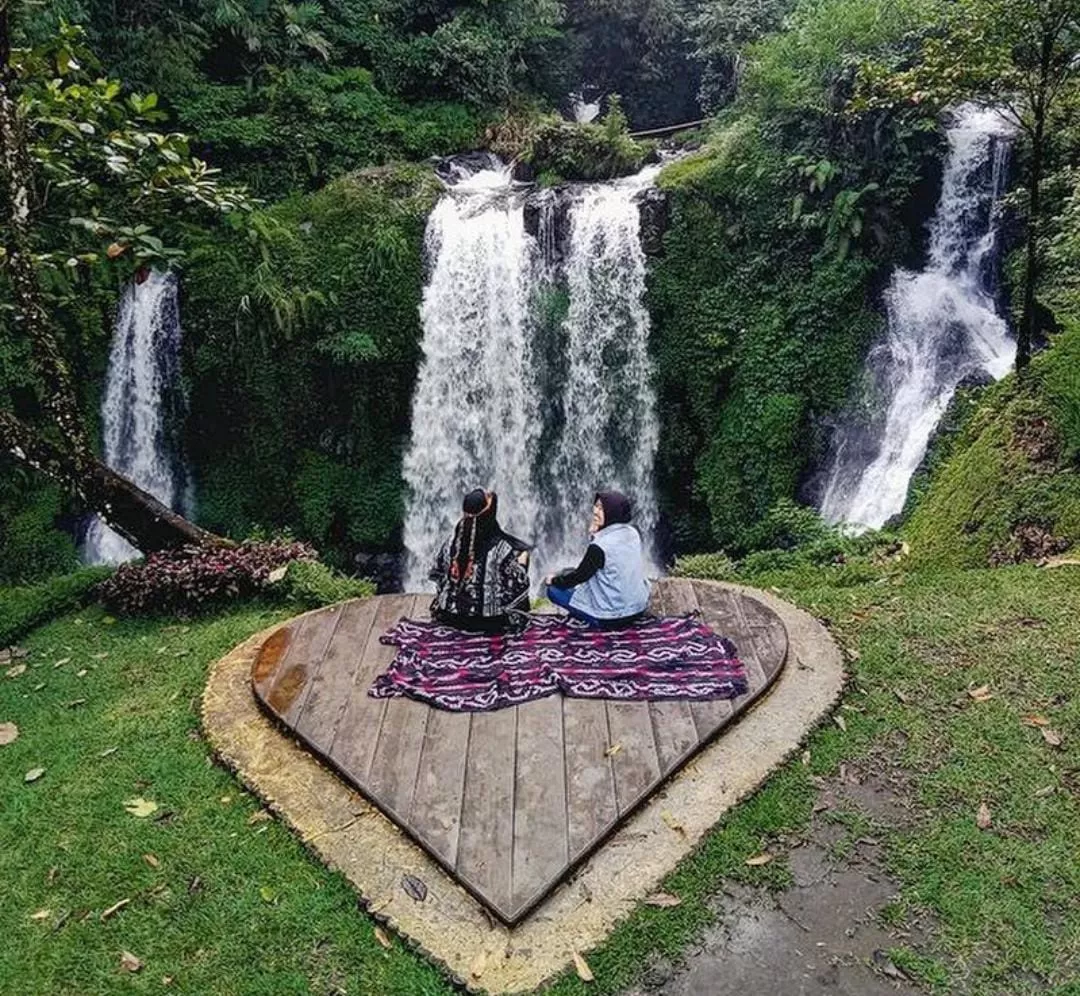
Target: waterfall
[(140, 410), (944, 328), (542, 411)]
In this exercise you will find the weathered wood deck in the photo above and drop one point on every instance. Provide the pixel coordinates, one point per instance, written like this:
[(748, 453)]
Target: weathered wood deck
[(510, 801)]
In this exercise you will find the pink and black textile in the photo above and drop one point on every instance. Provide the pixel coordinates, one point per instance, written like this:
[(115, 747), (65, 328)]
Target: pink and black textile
[(652, 659)]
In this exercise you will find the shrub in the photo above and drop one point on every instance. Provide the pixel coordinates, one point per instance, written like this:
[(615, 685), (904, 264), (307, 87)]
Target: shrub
[(312, 585), (707, 566), (192, 578), (23, 608)]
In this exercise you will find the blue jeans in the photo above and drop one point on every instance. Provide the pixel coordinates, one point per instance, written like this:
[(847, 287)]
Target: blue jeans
[(561, 598)]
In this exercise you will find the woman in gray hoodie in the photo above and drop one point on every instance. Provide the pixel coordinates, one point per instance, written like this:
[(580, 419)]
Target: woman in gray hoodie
[(608, 588)]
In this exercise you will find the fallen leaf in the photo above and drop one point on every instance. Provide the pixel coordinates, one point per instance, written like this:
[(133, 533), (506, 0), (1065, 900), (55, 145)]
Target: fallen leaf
[(613, 750), (1044, 792), (107, 751), (479, 963), (259, 816), (75, 703), (152, 860), (129, 963), (806, 758), (39, 686), (9, 733), (1052, 737), (887, 966), (841, 722), (581, 966), (1034, 721), (414, 888), (141, 807), (901, 696), (62, 662), (663, 900), (226, 799), (268, 895), (101, 656), (41, 915), (380, 936), (982, 818), (114, 909), (981, 694), (54, 874), (672, 822), (81, 674), (166, 980), (33, 774), (195, 885), (14, 672), (760, 859)]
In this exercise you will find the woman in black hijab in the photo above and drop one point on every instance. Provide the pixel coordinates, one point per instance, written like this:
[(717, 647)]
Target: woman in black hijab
[(481, 572)]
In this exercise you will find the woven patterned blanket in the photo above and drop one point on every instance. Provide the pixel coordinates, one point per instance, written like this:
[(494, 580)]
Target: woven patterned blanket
[(652, 659)]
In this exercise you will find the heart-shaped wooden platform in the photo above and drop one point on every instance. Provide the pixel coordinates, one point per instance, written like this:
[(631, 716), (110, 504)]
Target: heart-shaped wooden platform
[(507, 802)]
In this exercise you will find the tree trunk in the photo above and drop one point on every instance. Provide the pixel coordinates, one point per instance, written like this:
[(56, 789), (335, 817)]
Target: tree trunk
[(137, 515)]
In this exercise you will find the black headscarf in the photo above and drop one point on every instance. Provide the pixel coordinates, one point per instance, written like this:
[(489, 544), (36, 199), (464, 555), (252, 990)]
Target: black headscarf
[(616, 507), (476, 532)]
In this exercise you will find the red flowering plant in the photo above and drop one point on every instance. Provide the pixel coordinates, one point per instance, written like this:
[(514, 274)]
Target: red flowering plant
[(193, 578)]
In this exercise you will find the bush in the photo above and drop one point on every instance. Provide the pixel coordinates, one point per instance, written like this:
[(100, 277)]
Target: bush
[(193, 579), (23, 608), (33, 547), (312, 585), (707, 566)]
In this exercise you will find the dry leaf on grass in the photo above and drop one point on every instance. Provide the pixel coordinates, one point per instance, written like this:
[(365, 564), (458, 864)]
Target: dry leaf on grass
[(33, 774), (982, 817), (841, 722), (981, 694), (114, 909), (107, 751), (152, 860), (663, 900), (806, 758), (141, 807), (760, 859), (1036, 721), (901, 696), (1052, 737), (380, 936), (9, 733), (14, 672), (259, 816), (1045, 791), (129, 963), (581, 966), (62, 662), (41, 915)]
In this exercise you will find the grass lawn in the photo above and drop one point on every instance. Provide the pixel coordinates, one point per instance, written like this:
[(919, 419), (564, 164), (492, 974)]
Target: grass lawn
[(219, 903)]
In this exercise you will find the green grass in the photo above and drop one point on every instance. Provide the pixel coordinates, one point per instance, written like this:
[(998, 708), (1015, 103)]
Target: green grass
[(266, 917)]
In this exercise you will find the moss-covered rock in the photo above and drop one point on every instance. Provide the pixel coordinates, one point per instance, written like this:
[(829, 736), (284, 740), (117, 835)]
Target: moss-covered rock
[(1009, 489)]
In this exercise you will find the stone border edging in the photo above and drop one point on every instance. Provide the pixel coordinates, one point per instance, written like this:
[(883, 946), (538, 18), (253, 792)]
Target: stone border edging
[(449, 926)]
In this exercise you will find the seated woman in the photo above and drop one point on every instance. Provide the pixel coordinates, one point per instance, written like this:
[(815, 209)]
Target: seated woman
[(481, 573), (608, 588)]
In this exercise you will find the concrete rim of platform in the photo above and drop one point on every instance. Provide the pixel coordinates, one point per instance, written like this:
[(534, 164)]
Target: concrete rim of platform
[(451, 928)]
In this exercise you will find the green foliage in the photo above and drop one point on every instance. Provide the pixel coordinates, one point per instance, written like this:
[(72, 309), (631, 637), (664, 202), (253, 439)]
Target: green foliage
[(1013, 468), (23, 608), (568, 151), (303, 340), (32, 546), (312, 584)]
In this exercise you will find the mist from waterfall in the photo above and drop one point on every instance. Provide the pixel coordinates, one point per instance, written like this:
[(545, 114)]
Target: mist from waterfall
[(141, 407), (541, 409), (944, 328)]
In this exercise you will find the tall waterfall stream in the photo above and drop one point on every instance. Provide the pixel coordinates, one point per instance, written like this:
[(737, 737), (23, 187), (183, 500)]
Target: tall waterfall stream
[(139, 409), (944, 328), (536, 379)]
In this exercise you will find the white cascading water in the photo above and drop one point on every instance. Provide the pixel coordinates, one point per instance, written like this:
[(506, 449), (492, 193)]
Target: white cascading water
[(492, 407), (139, 406), (943, 328)]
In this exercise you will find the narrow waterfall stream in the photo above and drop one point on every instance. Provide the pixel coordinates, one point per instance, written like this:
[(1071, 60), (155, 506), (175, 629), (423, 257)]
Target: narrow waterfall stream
[(140, 408), (944, 328), (542, 411)]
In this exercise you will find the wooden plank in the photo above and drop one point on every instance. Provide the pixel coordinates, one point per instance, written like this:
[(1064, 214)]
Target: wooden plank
[(673, 723), (541, 850), (680, 597), (396, 760), (355, 739), (635, 763), (590, 780), (748, 654), (435, 813), (485, 847), (289, 689), (768, 634), (328, 690)]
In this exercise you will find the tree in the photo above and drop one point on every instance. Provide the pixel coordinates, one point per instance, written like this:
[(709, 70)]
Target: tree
[(1020, 56), (84, 183)]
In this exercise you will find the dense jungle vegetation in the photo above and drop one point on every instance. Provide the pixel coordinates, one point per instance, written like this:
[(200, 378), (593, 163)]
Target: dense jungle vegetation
[(814, 176)]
